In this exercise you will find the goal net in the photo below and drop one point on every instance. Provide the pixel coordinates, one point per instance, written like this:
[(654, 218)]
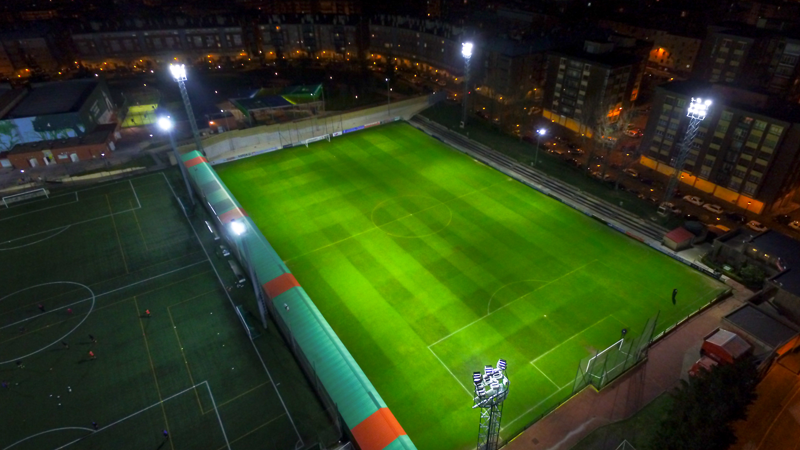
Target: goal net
[(41, 192), (606, 365), (324, 137)]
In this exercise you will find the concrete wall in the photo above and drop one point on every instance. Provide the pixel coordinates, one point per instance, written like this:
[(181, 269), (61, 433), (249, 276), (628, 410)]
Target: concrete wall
[(243, 143)]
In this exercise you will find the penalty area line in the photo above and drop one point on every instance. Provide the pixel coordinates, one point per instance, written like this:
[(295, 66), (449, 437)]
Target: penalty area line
[(536, 406), (545, 375), (451, 372)]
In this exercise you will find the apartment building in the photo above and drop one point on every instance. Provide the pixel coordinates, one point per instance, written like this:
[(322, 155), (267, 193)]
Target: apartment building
[(320, 37), (747, 150), (591, 86), (163, 38), (26, 51), (420, 43), (672, 51), (754, 58)]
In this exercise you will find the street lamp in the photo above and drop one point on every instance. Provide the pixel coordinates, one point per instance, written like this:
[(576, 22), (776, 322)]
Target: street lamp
[(466, 52), (179, 75), (697, 111), (165, 123), (388, 97), (239, 228), (539, 133)]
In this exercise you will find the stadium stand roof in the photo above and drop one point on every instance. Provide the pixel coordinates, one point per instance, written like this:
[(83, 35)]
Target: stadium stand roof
[(52, 98), (303, 93), (254, 104), (371, 423)]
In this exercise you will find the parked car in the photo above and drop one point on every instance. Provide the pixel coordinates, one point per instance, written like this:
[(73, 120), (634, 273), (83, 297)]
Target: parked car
[(576, 151), (693, 199), (632, 133), (668, 207), (441, 83), (716, 209), (783, 219), (795, 225), (736, 218), (757, 226), (631, 172)]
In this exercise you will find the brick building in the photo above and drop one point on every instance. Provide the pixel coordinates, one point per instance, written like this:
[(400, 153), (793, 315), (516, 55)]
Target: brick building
[(93, 145)]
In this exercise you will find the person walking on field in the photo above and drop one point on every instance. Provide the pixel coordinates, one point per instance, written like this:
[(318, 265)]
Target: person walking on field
[(91, 338), (91, 355), (65, 344), (41, 307), (147, 313)]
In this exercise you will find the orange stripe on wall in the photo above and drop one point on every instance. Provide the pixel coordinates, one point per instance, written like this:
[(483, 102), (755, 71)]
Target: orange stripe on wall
[(195, 161), (232, 215), (279, 285), (378, 430)]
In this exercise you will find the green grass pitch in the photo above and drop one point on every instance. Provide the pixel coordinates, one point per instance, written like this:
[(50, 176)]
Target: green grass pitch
[(96, 259), (429, 265)]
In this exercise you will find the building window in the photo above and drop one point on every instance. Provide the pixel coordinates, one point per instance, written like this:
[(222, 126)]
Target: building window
[(760, 125), (726, 115), (750, 188)]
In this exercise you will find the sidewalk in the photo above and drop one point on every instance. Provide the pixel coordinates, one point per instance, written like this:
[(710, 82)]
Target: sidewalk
[(668, 360)]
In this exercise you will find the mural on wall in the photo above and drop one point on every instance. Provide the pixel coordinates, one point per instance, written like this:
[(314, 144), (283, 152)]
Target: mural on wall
[(9, 135)]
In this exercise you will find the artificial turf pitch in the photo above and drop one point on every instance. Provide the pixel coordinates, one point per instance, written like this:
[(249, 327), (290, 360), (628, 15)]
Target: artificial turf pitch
[(428, 265), (97, 259)]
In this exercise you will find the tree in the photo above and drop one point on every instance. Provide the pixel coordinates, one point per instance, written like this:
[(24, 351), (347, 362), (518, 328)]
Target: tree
[(752, 275), (704, 408)]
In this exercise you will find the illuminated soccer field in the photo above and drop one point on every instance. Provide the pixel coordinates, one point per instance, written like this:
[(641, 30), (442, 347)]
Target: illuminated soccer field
[(429, 265)]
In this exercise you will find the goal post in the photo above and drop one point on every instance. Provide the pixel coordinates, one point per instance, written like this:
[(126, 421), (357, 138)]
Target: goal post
[(13, 198), (324, 137)]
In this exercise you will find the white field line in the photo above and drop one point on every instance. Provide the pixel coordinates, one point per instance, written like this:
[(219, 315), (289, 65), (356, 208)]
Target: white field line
[(535, 406), (567, 340), (104, 293), (512, 302), (451, 373), (222, 284), (545, 375), (42, 209), (44, 199), (221, 426), (56, 233), (135, 194)]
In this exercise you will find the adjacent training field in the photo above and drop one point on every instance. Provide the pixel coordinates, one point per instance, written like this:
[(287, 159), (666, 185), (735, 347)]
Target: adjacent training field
[(429, 265), (97, 260)]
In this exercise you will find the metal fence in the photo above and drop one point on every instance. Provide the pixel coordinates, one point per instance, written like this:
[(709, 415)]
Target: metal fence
[(605, 366)]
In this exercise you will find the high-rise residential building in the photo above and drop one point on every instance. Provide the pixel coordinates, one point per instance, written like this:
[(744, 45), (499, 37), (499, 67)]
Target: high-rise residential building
[(589, 87), (674, 49), (746, 152), (322, 37), (753, 58)]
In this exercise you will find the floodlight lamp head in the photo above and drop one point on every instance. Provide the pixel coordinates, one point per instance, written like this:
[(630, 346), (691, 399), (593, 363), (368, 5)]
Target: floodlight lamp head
[(238, 228), (466, 50), (699, 108), (178, 71), (501, 364), (541, 131), (165, 123)]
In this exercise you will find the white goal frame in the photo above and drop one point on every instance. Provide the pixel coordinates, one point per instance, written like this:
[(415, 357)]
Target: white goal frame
[(318, 138), (41, 192)]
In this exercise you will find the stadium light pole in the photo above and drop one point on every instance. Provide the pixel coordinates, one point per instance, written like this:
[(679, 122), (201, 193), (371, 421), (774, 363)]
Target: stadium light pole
[(179, 75), (239, 229), (466, 52), (388, 99), (539, 133), (491, 390), (165, 123), (697, 111)]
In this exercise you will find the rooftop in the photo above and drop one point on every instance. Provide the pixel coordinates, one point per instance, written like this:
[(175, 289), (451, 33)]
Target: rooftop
[(760, 325), (611, 59), (53, 98), (752, 102)]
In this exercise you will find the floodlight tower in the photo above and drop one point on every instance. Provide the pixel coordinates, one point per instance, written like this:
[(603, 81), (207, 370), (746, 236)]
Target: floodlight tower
[(491, 389), (697, 111), (466, 52), (239, 229), (539, 133), (179, 74), (165, 123)]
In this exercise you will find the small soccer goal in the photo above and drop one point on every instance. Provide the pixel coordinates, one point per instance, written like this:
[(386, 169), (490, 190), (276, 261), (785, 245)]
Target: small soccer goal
[(325, 137), (14, 198)]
